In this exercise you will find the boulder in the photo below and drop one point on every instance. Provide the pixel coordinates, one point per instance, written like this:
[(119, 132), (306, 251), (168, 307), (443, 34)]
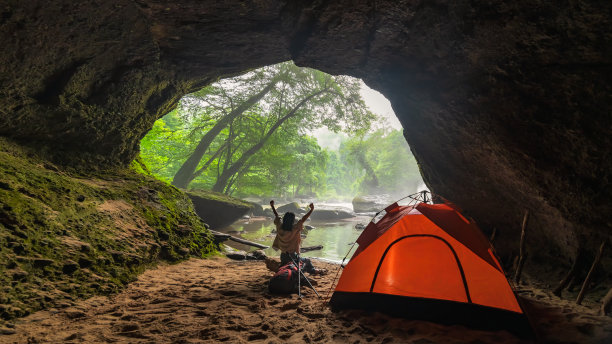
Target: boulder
[(292, 207), (365, 204), (256, 209), (331, 214), (268, 212), (218, 210)]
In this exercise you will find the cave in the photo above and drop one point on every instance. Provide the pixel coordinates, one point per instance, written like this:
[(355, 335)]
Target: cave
[(506, 106)]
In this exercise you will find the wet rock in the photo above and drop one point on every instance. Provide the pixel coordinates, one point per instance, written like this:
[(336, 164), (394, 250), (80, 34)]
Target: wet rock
[(292, 207), (360, 226), (69, 267), (331, 214), (365, 204), (256, 209), (309, 227), (246, 217)]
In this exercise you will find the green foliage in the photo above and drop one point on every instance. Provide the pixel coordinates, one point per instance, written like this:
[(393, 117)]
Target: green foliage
[(388, 160), (265, 149)]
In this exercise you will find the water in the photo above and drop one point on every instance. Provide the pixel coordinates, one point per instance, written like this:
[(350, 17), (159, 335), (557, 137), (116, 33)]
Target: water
[(335, 236)]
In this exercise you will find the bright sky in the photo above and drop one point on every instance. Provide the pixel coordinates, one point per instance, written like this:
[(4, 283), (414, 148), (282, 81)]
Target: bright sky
[(377, 104)]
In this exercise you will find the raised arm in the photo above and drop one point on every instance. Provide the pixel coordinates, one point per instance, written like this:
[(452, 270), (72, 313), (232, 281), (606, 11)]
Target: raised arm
[(308, 213), (273, 209)]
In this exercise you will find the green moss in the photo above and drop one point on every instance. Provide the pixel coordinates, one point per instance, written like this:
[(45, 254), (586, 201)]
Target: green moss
[(114, 224)]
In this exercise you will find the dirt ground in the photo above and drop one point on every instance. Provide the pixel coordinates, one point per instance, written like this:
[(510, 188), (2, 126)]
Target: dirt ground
[(220, 300)]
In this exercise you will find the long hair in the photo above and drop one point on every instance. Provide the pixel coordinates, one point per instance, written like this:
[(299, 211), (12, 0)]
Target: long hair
[(288, 219)]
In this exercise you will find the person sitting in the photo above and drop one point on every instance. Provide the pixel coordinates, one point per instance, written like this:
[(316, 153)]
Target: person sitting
[(288, 238)]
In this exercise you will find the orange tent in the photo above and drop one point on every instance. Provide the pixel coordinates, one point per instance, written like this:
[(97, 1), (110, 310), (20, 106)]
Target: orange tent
[(429, 262)]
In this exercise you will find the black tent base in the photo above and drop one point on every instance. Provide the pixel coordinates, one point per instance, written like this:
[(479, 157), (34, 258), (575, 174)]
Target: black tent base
[(439, 311)]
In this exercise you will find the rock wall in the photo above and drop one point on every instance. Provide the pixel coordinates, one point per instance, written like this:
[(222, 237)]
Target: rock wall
[(506, 105)]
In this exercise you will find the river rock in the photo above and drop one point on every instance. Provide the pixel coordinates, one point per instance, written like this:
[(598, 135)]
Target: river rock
[(268, 212), (309, 227), (360, 226), (331, 214), (365, 204), (292, 207), (256, 209)]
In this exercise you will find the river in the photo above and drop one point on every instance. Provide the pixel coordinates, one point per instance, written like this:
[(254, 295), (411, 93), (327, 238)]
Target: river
[(335, 236)]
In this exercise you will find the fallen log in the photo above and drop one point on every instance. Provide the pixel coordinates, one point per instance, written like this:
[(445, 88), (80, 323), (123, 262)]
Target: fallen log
[(220, 237), (311, 248), (522, 253), (223, 237), (246, 242), (587, 280)]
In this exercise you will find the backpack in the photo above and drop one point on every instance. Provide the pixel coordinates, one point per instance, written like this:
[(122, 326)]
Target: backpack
[(285, 281)]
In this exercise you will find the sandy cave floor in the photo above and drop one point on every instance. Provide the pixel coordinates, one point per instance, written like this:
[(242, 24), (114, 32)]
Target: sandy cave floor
[(220, 300)]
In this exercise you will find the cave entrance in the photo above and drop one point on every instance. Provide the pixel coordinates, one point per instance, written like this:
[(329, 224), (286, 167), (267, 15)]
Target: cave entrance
[(290, 134), (283, 131)]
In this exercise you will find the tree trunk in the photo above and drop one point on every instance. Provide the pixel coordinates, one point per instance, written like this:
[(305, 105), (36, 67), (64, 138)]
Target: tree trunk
[(182, 177), (235, 167), (373, 184), (205, 166)]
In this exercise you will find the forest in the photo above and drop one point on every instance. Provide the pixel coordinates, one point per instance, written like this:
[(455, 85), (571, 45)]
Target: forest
[(253, 135)]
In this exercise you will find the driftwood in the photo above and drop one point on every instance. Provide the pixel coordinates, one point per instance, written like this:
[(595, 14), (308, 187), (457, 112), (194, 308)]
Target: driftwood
[(578, 262), (606, 303), (522, 253), (222, 237), (587, 280), (311, 248)]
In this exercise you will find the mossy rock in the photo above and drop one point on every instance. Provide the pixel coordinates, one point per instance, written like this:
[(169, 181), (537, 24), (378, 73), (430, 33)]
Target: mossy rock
[(62, 231), (217, 209)]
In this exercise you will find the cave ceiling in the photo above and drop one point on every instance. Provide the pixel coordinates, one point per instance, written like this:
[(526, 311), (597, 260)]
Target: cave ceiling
[(506, 105)]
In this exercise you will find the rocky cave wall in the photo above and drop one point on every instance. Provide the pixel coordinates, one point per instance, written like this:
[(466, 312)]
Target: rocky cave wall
[(507, 106)]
